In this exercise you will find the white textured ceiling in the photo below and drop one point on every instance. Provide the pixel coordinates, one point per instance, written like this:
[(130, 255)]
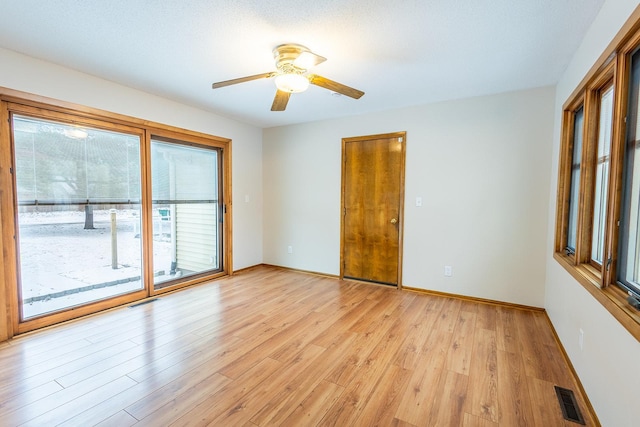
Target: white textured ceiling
[(400, 53)]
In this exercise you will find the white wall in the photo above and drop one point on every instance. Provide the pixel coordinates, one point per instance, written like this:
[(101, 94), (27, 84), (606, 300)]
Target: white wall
[(27, 74), (482, 167), (608, 365)]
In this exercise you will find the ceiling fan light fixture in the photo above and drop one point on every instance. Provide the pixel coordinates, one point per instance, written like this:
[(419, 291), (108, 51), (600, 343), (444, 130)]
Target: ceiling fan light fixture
[(292, 82)]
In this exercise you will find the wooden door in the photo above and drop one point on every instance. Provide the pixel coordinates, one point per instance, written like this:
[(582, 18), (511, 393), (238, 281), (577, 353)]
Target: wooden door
[(372, 207)]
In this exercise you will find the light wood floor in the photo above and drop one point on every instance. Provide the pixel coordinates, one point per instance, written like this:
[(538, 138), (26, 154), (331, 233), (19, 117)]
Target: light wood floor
[(274, 347)]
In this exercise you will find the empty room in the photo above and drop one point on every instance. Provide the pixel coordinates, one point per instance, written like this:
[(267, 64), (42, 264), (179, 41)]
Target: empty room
[(337, 213)]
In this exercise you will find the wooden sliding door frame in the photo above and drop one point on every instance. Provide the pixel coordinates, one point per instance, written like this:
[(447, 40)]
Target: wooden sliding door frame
[(16, 102), (225, 208)]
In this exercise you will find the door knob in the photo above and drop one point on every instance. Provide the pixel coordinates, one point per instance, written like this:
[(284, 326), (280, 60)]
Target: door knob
[(393, 220)]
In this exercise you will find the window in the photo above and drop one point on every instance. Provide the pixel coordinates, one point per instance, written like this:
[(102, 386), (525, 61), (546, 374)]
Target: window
[(576, 160), (602, 161), (629, 271), (598, 210)]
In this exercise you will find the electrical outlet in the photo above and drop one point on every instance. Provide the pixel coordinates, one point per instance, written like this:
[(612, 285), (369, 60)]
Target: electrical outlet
[(289, 249), (581, 339), (448, 271)]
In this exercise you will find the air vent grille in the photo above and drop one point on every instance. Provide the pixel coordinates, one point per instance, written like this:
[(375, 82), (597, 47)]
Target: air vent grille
[(569, 406), (143, 303)]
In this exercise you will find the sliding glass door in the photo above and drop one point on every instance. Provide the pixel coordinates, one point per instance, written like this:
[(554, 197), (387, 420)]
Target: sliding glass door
[(78, 201), (98, 212), (186, 222)]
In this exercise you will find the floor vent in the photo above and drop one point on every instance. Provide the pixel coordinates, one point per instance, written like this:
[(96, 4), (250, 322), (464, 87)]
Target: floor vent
[(569, 406), (143, 303)]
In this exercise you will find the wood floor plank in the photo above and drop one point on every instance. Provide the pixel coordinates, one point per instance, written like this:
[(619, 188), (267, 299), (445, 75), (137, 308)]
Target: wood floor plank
[(28, 379), (278, 407), (81, 403), (63, 396), (276, 337), (347, 316), (383, 404), (474, 421), (313, 408), (172, 401), (483, 397), (28, 397), (120, 419), (507, 330), (449, 314), (513, 394), (270, 346), (460, 350), (418, 321), (186, 358), (191, 366), (450, 399), (360, 353), (487, 315), (361, 388), (254, 399), (221, 405), (417, 402), (546, 409)]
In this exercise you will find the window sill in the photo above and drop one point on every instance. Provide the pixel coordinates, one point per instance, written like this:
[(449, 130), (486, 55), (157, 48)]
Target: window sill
[(612, 298)]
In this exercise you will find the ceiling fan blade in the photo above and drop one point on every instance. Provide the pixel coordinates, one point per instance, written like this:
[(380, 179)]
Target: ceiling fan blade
[(280, 101), (324, 82), (308, 59), (243, 79)]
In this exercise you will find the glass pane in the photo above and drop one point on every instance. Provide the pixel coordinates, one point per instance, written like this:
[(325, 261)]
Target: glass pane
[(629, 251), (78, 193), (186, 226), (575, 179), (602, 176)]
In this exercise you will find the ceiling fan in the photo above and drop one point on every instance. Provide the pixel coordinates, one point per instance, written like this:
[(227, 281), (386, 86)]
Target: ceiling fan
[(291, 76)]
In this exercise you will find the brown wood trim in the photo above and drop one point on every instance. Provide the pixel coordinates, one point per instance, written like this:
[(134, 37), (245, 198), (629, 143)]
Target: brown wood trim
[(401, 208), (70, 117), (565, 167), (612, 298), (622, 38), (76, 312), (9, 258), (5, 318), (616, 176), (12, 101), (80, 318), (146, 213), (51, 104), (5, 308), (406, 288), (573, 371), (251, 267), (343, 171), (186, 283), (278, 267), (475, 299), (227, 198)]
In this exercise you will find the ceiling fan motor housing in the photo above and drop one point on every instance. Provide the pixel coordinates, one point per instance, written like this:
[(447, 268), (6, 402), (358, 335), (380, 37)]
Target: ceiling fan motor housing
[(286, 54)]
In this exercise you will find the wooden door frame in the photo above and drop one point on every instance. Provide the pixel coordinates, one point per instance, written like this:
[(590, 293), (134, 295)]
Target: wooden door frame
[(13, 101), (403, 143)]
